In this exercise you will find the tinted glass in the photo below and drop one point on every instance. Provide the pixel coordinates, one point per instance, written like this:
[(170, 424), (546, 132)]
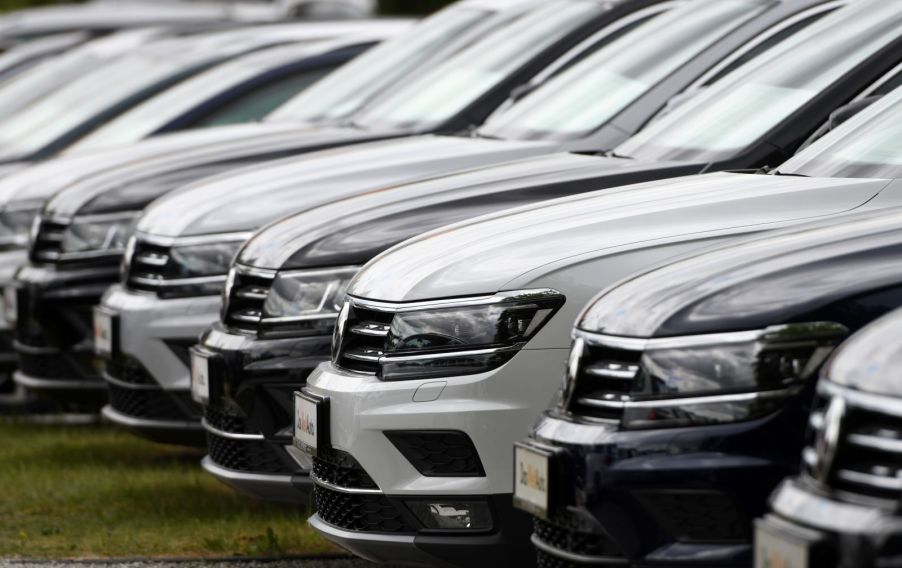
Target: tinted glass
[(868, 146), (585, 96), (446, 90), (746, 104), (349, 88)]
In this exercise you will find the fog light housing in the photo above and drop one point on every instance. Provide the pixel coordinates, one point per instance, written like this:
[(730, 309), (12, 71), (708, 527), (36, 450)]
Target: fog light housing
[(453, 514)]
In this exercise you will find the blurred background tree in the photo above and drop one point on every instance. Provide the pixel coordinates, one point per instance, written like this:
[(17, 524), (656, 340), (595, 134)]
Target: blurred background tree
[(387, 6)]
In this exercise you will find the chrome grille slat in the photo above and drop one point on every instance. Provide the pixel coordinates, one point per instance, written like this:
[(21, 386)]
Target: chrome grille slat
[(866, 461), (604, 378), (246, 299), (147, 266), (363, 339), (47, 243)]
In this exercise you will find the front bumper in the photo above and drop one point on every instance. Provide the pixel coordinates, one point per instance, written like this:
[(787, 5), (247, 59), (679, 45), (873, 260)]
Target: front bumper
[(492, 409), (668, 497), (249, 415), (841, 534), (54, 332), (148, 373)]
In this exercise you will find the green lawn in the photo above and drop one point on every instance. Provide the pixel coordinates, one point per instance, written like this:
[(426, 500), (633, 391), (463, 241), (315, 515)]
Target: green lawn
[(96, 492)]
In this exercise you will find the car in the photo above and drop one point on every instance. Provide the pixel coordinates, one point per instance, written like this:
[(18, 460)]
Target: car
[(18, 58), (248, 407), (545, 34), (51, 124), (841, 509), (449, 344), (690, 387)]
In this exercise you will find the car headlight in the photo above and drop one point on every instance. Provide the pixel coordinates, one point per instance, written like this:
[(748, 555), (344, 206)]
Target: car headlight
[(199, 269), (305, 302), (98, 233), (16, 225), (455, 337), (685, 381)]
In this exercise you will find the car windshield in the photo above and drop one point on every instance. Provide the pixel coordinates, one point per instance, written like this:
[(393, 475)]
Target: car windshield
[(582, 98), (146, 118), (346, 90), (746, 104), (447, 89), (868, 146), (51, 118)]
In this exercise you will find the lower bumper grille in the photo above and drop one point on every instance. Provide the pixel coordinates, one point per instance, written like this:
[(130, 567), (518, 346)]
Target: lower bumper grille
[(48, 367), (227, 422), (147, 404), (128, 370), (559, 536), (366, 513), (340, 468), (249, 456)]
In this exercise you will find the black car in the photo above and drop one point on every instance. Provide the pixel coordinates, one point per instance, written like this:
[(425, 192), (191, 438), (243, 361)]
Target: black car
[(254, 370), (689, 387)]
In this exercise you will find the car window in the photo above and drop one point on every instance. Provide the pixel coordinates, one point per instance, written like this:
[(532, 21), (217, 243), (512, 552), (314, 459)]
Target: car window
[(867, 146), (349, 88), (440, 93), (260, 102), (746, 104), (585, 96)]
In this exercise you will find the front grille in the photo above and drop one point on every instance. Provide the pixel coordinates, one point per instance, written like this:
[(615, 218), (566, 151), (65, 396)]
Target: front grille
[(867, 460), (246, 296), (698, 515), (367, 513), (341, 469), (439, 453), (148, 404), (48, 241), (605, 377), (128, 370), (250, 456), (563, 535), (363, 339), (146, 266)]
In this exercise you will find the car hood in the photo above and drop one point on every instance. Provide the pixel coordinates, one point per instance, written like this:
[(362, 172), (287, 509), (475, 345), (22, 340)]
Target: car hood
[(254, 197), (794, 275), (518, 248), (42, 180), (354, 230), (870, 360), (130, 178)]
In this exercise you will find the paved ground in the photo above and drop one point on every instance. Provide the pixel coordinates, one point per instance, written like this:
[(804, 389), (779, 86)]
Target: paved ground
[(290, 563)]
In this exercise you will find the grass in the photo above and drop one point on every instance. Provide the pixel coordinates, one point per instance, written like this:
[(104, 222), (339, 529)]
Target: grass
[(95, 492)]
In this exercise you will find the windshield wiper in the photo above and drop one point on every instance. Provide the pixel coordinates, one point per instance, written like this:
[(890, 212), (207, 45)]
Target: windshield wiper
[(788, 174)]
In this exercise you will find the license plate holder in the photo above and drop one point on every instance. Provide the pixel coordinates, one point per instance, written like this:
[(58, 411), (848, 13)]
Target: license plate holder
[(311, 422), (200, 376), (537, 478), (106, 332), (10, 304), (777, 547)]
